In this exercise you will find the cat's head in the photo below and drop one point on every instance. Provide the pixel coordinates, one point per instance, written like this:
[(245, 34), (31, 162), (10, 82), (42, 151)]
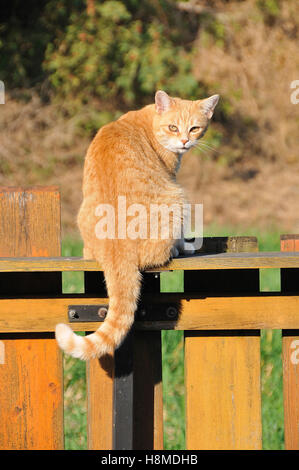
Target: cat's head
[(179, 124)]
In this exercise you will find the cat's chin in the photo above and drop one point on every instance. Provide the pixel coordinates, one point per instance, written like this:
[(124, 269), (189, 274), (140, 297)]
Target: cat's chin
[(181, 151)]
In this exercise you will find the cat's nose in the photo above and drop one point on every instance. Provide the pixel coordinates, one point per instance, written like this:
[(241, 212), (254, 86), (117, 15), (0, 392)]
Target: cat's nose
[(184, 141)]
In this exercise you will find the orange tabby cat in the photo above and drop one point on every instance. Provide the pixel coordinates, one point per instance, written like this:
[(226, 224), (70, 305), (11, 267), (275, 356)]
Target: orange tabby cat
[(135, 157)]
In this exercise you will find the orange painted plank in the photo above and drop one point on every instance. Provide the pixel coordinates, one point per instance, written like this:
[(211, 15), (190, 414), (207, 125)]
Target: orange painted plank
[(289, 243), (290, 357), (29, 222), (31, 392)]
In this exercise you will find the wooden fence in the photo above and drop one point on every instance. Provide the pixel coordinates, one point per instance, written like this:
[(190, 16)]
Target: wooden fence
[(221, 312)]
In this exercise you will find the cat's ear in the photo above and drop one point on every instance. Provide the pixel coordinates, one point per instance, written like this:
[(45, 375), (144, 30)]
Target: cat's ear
[(209, 104), (163, 102)]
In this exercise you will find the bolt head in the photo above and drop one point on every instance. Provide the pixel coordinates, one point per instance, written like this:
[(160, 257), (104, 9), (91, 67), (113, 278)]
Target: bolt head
[(171, 312), (73, 314), (102, 312)]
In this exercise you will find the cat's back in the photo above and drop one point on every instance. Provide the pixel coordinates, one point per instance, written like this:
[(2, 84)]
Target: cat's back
[(120, 149), (127, 132)]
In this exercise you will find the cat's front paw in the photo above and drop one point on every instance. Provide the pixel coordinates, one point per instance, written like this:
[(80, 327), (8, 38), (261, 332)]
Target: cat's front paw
[(185, 247), (174, 252), (188, 248)]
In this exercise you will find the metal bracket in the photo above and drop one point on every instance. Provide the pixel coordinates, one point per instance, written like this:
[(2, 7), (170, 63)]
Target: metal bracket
[(145, 312), (87, 313)]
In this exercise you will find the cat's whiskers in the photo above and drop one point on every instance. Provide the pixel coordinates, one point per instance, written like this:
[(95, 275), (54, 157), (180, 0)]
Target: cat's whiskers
[(203, 150), (206, 146)]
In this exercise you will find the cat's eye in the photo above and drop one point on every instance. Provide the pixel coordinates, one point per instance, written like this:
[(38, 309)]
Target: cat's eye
[(195, 129), (173, 128)]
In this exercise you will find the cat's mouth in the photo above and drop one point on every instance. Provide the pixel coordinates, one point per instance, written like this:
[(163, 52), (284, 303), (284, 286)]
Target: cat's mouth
[(180, 150), (184, 148)]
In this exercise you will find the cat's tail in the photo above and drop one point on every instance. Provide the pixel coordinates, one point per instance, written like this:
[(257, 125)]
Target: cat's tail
[(123, 281)]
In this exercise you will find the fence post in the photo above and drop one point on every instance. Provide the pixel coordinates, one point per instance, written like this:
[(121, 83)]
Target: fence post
[(138, 406), (124, 392), (222, 368), (148, 393), (290, 342), (31, 375)]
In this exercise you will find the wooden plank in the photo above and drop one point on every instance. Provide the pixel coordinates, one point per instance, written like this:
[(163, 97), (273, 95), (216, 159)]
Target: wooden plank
[(99, 376), (234, 313), (290, 362), (223, 386), (262, 260), (230, 312), (30, 222), (229, 244), (289, 243), (42, 314), (31, 391), (222, 373), (289, 277), (290, 359)]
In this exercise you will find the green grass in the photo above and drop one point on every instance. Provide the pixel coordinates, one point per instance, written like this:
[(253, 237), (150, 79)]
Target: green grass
[(74, 370), (173, 360)]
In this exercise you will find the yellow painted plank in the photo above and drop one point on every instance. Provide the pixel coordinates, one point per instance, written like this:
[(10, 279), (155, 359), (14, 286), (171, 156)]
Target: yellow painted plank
[(222, 368), (290, 361), (260, 260), (248, 312), (99, 376), (222, 404)]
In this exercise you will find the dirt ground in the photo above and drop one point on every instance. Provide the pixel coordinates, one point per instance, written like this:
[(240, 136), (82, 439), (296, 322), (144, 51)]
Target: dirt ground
[(258, 194)]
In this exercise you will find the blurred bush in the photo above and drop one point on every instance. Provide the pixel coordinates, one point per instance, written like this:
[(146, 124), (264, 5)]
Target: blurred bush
[(120, 52), (26, 29)]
